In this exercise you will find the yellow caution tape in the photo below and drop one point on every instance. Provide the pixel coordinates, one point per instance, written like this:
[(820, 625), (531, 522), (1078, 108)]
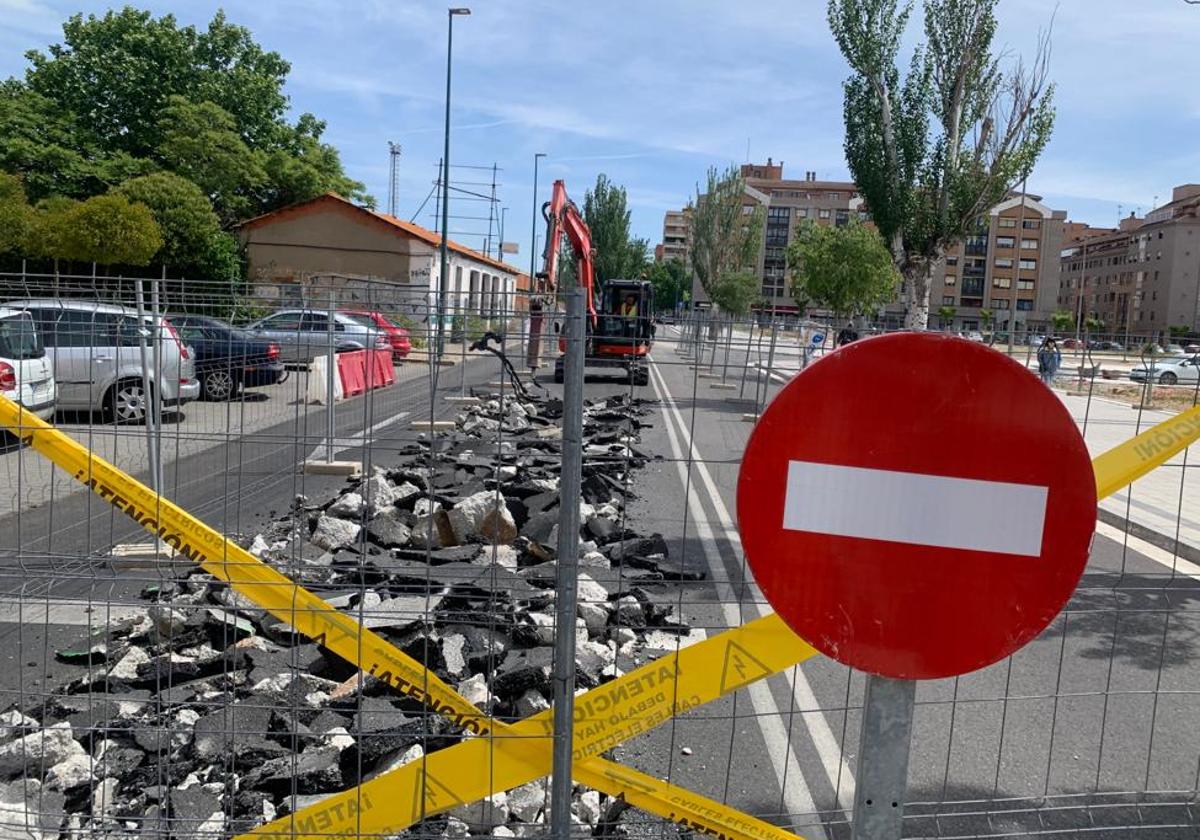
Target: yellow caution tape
[(1134, 458), (505, 756), (604, 717)]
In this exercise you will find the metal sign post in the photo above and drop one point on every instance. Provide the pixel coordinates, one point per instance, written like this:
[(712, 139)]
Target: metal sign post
[(568, 559), (883, 750)]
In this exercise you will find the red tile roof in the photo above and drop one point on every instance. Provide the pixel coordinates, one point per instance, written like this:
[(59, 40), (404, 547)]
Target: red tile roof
[(415, 231)]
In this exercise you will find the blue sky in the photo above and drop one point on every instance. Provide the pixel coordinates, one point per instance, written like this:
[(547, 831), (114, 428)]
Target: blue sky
[(654, 92)]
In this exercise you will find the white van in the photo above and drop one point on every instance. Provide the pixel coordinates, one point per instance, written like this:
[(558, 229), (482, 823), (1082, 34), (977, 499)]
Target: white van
[(26, 375)]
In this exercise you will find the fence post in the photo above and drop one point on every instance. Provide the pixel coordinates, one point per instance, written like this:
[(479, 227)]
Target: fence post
[(766, 377), (568, 558), (147, 384), (331, 371), (883, 751)]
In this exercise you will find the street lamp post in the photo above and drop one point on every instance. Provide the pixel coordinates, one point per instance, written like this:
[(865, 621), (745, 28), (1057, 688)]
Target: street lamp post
[(533, 349), (445, 261)]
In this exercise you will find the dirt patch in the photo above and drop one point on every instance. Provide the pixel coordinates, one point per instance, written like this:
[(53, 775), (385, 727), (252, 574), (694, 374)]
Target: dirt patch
[(1173, 398)]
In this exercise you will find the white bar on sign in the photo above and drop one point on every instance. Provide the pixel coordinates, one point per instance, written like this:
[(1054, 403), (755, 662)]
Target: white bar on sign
[(933, 510)]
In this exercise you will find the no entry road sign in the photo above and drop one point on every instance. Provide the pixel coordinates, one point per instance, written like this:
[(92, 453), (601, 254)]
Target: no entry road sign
[(916, 506)]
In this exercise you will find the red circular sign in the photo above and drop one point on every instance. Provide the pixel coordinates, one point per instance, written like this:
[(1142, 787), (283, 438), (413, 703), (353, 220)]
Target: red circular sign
[(916, 505)]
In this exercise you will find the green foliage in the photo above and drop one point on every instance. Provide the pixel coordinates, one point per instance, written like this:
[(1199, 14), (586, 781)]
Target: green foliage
[(1181, 331), (735, 292), (16, 216), (193, 243), (671, 284), (845, 269), (1062, 320), (109, 230), (946, 314), (126, 94), (987, 316), (619, 255), (1094, 323), (932, 151), (200, 141), (725, 239), (48, 227)]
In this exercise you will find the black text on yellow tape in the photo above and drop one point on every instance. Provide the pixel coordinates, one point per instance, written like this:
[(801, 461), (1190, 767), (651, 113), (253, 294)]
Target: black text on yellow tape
[(1134, 458), (632, 704)]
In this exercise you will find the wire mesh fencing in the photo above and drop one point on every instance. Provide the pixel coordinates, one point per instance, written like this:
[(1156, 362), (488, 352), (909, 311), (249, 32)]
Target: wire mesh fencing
[(372, 651)]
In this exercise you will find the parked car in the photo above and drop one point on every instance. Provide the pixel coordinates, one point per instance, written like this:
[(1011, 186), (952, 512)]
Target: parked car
[(397, 336), (304, 333), (1036, 340), (1071, 344), (1168, 371), (1111, 346), (228, 359), (973, 335), (26, 375), (94, 349)]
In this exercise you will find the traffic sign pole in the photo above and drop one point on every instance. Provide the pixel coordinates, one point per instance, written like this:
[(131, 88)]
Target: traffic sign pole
[(883, 749)]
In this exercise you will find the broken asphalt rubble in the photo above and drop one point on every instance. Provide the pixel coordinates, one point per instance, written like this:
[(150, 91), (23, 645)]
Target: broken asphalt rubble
[(204, 716)]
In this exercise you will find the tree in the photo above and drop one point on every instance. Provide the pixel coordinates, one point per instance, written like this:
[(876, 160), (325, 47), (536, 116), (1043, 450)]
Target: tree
[(110, 230), (192, 240), (1062, 321), (670, 282), (619, 254), (986, 316), (16, 215), (926, 188), (200, 141), (48, 228), (1094, 323), (736, 292), (127, 93), (844, 269), (946, 315), (724, 237)]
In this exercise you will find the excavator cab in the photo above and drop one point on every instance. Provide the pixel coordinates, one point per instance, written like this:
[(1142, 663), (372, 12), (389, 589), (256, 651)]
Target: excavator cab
[(623, 330)]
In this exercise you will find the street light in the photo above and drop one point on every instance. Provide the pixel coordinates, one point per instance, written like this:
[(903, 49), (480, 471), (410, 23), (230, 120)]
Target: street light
[(445, 262), (533, 227)]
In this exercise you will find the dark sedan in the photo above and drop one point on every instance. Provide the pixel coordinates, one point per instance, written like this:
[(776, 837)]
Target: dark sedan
[(227, 358)]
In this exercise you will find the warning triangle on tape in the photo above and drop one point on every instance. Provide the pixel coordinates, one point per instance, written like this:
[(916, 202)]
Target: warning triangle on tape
[(740, 668), (430, 794)]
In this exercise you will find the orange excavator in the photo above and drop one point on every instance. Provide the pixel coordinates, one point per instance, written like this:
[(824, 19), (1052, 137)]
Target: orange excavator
[(620, 329)]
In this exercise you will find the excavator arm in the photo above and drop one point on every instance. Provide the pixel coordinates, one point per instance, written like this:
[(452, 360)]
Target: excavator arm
[(564, 219)]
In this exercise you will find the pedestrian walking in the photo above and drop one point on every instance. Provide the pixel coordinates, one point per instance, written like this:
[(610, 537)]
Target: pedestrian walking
[(1049, 360), (846, 334)]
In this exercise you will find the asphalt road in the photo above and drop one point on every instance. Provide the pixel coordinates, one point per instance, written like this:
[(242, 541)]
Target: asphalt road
[(1094, 726)]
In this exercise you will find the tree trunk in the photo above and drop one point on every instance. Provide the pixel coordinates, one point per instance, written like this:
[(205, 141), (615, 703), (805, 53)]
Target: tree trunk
[(918, 274)]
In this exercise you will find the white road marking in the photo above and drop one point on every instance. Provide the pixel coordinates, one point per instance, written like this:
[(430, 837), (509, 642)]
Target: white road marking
[(1159, 555), (357, 439), (913, 508), (833, 761), (797, 797)]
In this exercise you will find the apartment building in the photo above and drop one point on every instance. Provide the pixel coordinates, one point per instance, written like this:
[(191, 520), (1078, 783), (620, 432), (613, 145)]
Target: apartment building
[(1008, 267), (676, 226), (1143, 278), (788, 203)]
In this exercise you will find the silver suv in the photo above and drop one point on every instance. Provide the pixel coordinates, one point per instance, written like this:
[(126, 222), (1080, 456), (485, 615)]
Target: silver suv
[(97, 361), (304, 333)]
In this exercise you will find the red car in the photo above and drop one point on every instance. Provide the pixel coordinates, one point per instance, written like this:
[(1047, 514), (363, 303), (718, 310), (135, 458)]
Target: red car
[(398, 336)]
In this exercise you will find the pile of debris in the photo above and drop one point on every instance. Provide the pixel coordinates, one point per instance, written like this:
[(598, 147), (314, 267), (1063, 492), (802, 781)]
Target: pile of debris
[(205, 716)]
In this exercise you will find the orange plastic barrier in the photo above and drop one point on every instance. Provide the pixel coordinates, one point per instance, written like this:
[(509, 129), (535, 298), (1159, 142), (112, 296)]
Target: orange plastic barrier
[(352, 369), (382, 372)]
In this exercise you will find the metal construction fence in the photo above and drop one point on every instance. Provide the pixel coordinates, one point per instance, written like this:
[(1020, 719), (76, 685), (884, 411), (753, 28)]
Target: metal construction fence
[(356, 574)]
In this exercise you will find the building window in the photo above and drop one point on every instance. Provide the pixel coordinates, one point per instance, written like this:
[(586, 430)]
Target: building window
[(747, 209), (1005, 241), (802, 212), (1028, 264), (824, 214), (947, 299), (776, 212), (1025, 285), (1001, 282), (950, 279), (951, 260), (1029, 244), (864, 216), (841, 218), (1007, 223), (1000, 303), (835, 196), (1024, 305), (1004, 262), (1031, 224)]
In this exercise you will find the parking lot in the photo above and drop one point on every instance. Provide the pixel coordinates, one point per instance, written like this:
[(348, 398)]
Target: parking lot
[(31, 481)]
